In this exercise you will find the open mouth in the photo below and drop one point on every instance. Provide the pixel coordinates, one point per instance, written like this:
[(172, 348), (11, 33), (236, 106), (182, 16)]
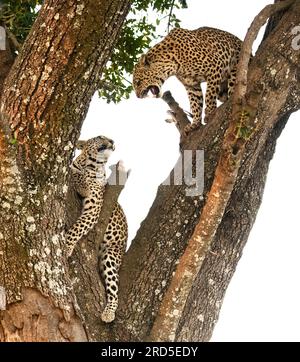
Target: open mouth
[(152, 90)]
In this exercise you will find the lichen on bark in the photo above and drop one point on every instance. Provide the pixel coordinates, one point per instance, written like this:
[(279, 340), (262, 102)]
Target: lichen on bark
[(43, 104)]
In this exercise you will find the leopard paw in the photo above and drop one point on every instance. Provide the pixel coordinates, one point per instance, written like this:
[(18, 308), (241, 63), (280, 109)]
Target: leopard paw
[(108, 316), (69, 251), (191, 127)]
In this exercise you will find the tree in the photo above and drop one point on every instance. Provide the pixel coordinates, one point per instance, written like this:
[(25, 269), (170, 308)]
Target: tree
[(43, 103)]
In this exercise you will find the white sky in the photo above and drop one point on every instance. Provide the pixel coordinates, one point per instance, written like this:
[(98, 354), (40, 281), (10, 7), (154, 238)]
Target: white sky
[(262, 301)]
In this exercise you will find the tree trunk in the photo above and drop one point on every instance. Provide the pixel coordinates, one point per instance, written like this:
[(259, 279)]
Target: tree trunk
[(44, 102), (45, 99), (163, 236)]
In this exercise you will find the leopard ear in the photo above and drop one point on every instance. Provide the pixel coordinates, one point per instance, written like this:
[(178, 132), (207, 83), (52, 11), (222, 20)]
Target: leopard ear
[(144, 60), (80, 144)]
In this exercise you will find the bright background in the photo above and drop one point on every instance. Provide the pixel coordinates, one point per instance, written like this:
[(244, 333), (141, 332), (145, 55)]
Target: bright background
[(263, 299)]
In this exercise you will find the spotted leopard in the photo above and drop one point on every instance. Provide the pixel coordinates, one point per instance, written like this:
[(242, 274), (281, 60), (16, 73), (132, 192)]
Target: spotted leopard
[(89, 177), (193, 56)]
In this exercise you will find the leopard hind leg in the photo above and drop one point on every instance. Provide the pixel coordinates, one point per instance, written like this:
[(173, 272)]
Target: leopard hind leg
[(110, 258)]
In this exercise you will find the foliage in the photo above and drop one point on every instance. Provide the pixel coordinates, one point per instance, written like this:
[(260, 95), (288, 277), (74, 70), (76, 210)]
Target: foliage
[(19, 15), (147, 21)]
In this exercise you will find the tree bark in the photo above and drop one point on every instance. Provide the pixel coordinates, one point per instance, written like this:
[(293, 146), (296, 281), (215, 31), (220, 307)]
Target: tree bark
[(45, 99), (244, 124), (163, 236)]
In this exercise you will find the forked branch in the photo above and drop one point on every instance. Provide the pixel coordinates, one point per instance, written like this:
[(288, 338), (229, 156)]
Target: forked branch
[(13, 39)]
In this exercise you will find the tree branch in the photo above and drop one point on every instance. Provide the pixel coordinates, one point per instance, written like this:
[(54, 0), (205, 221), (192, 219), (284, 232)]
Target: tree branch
[(258, 22), (242, 126), (115, 185), (177, 113), (45, 100), (13, 39), (211, 283), (170, 14)]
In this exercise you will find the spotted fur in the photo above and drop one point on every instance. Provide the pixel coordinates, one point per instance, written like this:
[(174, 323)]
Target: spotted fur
[(88, 173), (193, 56)]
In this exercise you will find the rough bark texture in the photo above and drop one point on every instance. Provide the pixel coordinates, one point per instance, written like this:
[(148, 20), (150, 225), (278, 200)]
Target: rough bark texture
[(206, 297), (35, 319), (152, 258), (45, 99), (244, 124)]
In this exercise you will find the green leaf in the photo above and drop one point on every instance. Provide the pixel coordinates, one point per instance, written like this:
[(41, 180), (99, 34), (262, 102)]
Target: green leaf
[(146, 23)]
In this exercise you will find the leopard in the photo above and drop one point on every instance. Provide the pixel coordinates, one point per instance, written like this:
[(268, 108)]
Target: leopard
[(89, 178), (193, 56)]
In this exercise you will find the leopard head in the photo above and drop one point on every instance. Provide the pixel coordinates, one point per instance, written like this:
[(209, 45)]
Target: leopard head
[(149, 76), (97, 147)]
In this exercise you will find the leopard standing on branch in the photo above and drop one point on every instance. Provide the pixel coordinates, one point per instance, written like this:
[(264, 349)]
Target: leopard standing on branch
[(193, 56), (89, 177)]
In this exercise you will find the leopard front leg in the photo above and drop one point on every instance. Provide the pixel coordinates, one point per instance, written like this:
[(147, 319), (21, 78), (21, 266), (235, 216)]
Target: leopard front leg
[(212, 91), (110, 258), (92, 206), (195, 96)]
